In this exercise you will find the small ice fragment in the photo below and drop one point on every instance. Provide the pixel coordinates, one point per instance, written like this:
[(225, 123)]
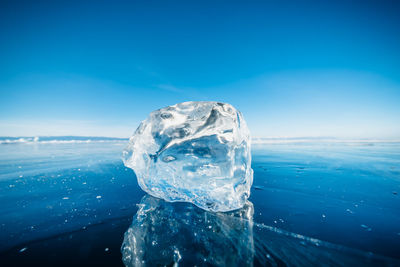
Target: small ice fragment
[(106, 249), (323, 216), (65, 198), (350, 211), (98, 197), (366, 227), (23, 249)]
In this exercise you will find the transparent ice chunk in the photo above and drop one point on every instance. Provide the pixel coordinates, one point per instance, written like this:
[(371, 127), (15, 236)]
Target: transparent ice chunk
[(196, 152)]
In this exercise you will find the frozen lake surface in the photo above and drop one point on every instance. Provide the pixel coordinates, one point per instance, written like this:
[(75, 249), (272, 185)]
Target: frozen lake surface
[(71, 203)]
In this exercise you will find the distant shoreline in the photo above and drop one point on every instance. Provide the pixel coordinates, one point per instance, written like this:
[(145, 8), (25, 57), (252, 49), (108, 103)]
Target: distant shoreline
[(255, 140)]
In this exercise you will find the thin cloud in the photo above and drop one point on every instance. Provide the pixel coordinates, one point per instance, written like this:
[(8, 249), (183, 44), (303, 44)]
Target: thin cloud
[(170, 88)]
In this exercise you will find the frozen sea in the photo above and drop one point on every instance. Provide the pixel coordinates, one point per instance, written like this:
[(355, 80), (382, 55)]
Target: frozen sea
[(70, 201)]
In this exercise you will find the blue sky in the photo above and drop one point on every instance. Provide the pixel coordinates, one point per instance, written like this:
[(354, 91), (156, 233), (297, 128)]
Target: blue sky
[(299, 68)]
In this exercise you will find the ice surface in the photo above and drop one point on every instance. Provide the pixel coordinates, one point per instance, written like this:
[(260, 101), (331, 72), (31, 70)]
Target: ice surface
[(180, 234), (196, 152), (172, 234)]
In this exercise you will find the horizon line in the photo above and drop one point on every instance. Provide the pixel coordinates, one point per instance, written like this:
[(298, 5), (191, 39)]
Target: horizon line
[(254, 140)]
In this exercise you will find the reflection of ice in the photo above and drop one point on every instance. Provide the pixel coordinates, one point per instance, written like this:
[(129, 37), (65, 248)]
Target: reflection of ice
[(164, 233), (169, 234)]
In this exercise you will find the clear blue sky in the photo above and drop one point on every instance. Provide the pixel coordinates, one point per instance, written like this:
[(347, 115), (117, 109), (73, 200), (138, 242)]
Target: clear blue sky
[(300, 68)]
